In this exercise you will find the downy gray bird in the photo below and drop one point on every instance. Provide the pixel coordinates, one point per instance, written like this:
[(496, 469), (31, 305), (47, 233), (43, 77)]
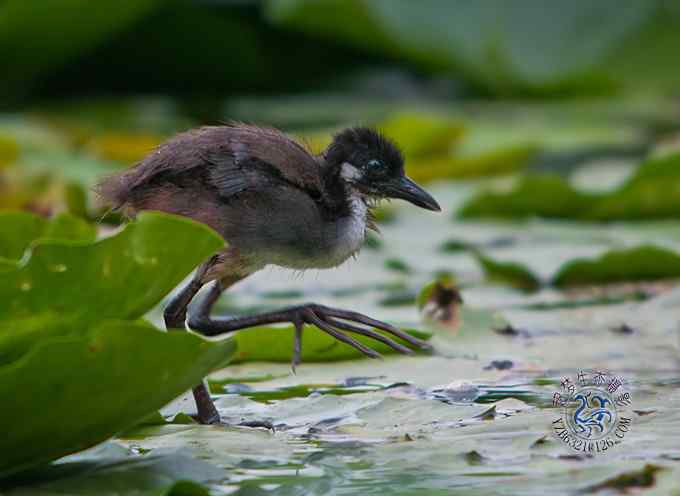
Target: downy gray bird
[(275, 203)]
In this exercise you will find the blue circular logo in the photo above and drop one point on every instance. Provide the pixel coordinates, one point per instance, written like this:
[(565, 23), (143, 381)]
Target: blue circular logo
[(591, 414), (594, 409)]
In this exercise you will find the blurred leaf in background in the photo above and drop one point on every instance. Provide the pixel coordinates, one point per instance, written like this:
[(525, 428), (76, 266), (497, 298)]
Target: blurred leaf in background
[(653, 192), (510, 273), (38, 37), (633, 264), (642, 263), (509, 48), (200, 50)]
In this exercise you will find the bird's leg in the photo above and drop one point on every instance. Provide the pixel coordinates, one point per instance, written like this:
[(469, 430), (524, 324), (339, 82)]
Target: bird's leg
[(203, 307), (175, 319), (333, 321)]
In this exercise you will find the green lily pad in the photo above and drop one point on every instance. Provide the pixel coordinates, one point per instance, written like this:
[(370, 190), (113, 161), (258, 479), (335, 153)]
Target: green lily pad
[(653, 192), (275, 344), (632, 264), (398, 265), (122, 276), (19, 229), (512, 273), (67, 227), (68, 332), (100, 379), (641, 263), (665, 167), (540, 195)]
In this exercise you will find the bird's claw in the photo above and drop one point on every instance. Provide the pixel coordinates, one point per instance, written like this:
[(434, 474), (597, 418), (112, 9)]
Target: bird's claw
[(337, 323)]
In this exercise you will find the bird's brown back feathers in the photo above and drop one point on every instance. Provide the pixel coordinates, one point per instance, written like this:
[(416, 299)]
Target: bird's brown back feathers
[(235, 145)]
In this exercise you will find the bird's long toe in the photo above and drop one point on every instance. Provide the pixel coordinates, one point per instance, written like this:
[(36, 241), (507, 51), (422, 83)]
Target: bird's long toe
[(360, 318), (328, 328), (345, 326)]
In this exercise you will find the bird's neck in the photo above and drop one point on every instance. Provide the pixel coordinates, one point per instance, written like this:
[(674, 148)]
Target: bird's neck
[(349, 215), (348, 231), (343, 199), (357, 206)]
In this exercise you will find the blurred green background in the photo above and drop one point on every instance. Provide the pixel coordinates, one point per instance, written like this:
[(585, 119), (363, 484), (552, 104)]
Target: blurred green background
[(468, 88), (213, 48)]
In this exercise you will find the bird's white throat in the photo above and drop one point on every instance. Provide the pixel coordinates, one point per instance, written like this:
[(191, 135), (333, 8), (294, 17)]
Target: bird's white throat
[(350, 230), (349, 173)]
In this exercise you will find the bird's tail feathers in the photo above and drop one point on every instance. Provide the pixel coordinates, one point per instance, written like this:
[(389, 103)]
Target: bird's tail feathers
[(114, 190)]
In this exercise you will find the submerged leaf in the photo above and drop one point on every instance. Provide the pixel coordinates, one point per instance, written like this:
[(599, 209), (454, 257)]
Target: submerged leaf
[(643, 478)]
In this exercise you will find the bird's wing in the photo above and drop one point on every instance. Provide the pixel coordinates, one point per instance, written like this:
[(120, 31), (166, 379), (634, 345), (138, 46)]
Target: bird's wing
[(249, 157), (234, 158)]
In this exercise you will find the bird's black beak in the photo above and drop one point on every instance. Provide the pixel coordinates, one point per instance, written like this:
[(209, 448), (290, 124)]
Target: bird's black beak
[(405, 189)]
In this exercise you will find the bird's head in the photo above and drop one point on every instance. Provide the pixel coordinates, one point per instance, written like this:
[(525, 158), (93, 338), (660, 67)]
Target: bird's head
[(373, 166)]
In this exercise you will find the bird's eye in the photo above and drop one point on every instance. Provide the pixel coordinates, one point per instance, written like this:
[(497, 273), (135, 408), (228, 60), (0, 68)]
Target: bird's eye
[(377, 164)]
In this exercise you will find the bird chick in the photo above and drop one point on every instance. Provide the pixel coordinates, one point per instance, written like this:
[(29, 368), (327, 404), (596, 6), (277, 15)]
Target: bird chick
[(274, 203)]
